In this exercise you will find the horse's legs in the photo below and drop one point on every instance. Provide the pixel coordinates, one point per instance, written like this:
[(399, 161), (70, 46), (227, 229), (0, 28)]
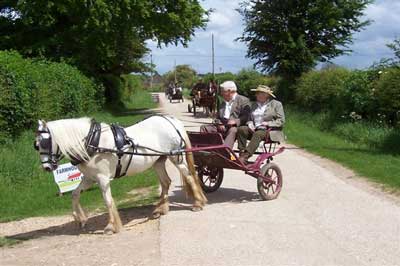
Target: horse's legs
[(114, 223), (77, 211), (163, 205), (195, 189)]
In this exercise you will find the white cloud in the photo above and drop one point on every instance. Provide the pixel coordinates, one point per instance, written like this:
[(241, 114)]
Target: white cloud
[(370, 44), (220, 20), (226, 24)]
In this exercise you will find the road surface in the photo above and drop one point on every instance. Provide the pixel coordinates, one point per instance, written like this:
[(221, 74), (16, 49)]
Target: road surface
[(325, 215)]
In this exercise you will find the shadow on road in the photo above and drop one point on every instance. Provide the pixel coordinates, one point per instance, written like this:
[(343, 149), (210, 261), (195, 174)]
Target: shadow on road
[(222, 195), (95, 224)]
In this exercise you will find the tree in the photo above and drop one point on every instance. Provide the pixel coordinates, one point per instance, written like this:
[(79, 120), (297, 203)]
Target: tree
[(185, 76), (289, 37), (395, 47), (101, 37), (248, 79)]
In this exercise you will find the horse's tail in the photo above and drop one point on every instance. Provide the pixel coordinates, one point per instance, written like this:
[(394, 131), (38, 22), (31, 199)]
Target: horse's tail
[(195, 190)]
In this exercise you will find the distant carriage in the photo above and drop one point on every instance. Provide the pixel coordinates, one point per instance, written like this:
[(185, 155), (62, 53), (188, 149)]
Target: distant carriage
[(173, 93), (203, 96)]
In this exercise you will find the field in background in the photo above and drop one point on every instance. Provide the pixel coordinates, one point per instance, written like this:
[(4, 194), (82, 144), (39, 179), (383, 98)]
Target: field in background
[(26, 190)]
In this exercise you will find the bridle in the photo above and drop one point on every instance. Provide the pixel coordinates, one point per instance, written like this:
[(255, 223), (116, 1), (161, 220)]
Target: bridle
[(45, 142)]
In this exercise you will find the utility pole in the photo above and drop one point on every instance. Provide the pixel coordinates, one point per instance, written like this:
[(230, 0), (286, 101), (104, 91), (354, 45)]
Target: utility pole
[(175, 70), (212, 52), (151, 70)]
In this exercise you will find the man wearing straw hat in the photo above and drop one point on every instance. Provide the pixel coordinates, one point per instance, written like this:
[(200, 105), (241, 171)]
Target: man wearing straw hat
[(233, 112), (266, 119)]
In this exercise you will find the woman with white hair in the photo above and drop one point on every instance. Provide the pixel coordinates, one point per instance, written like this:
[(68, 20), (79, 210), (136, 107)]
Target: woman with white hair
[(232, 113)]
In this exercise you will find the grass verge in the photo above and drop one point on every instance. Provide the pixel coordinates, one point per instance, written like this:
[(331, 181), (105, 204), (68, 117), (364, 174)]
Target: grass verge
[(8, 242), (377, 163), (26, 190)]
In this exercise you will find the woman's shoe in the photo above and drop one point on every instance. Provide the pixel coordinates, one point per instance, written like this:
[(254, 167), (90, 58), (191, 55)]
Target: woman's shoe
[(243, 157)]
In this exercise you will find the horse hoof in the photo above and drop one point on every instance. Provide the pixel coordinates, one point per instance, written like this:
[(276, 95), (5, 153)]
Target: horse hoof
[(156, 215), (109, 230), (197, 208), (82, 225)]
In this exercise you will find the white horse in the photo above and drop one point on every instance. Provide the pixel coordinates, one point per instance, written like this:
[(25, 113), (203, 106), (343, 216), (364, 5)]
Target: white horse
[(67, 137)]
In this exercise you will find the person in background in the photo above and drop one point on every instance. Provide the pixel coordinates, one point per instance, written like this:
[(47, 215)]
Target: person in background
[(232, 113), (266, 120), (199, 86), (212, 88), (178, 87)]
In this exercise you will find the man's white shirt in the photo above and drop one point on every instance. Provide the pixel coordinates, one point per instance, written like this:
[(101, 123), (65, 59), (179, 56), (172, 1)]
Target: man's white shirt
[(228, 107)]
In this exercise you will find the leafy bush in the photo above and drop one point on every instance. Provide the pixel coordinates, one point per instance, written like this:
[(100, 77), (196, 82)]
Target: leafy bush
[(248, 79), (358, 95), (245, 80), (185, 76), (219, 77), (131, 83), (32, 89), (387, 92), (322, 90)]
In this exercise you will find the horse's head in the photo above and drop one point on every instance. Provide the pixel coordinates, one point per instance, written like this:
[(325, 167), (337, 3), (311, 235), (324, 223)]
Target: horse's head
[(49, 151)]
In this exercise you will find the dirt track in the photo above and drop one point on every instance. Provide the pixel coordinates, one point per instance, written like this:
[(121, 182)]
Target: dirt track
[(324, 216)]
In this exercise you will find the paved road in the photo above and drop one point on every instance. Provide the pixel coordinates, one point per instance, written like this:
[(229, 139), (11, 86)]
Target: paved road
[(322, 217)]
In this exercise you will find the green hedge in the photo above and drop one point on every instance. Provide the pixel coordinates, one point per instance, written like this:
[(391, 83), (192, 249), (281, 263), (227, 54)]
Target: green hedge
[(322, 90), (31, 89), (387, 92), (369, 95), (246, 80), (132, 83)]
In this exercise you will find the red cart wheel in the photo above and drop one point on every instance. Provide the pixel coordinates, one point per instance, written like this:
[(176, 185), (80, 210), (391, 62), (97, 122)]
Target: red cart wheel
[(270, 191), (210, 178)]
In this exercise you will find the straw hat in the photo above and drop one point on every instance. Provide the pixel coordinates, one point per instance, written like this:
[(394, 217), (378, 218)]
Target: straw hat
[(265, 89)]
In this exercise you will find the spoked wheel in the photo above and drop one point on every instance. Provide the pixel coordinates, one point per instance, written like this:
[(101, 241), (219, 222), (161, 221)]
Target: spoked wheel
[(207, 111), (210, 178), (194, 110), (270, 191)]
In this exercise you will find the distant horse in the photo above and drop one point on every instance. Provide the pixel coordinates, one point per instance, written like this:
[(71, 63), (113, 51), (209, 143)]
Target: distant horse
[(70, 138)]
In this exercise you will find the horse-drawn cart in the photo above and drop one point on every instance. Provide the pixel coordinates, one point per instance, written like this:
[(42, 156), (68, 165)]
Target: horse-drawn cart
[(212, 157), (175, 94), (202, 99)]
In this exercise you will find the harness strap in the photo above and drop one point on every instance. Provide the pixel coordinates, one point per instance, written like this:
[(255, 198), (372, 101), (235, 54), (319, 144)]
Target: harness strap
[(122, 142), (91, 142)]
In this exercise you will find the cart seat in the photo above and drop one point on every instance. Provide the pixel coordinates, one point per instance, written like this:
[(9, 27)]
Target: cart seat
[(269, 145), (269, 141), (202, 139)]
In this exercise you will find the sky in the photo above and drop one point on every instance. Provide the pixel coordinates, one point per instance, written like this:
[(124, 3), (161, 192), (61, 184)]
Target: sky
[(226, 24)]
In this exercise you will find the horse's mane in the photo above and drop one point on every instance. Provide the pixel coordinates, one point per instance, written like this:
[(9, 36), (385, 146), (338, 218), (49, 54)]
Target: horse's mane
[(69, 135)]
